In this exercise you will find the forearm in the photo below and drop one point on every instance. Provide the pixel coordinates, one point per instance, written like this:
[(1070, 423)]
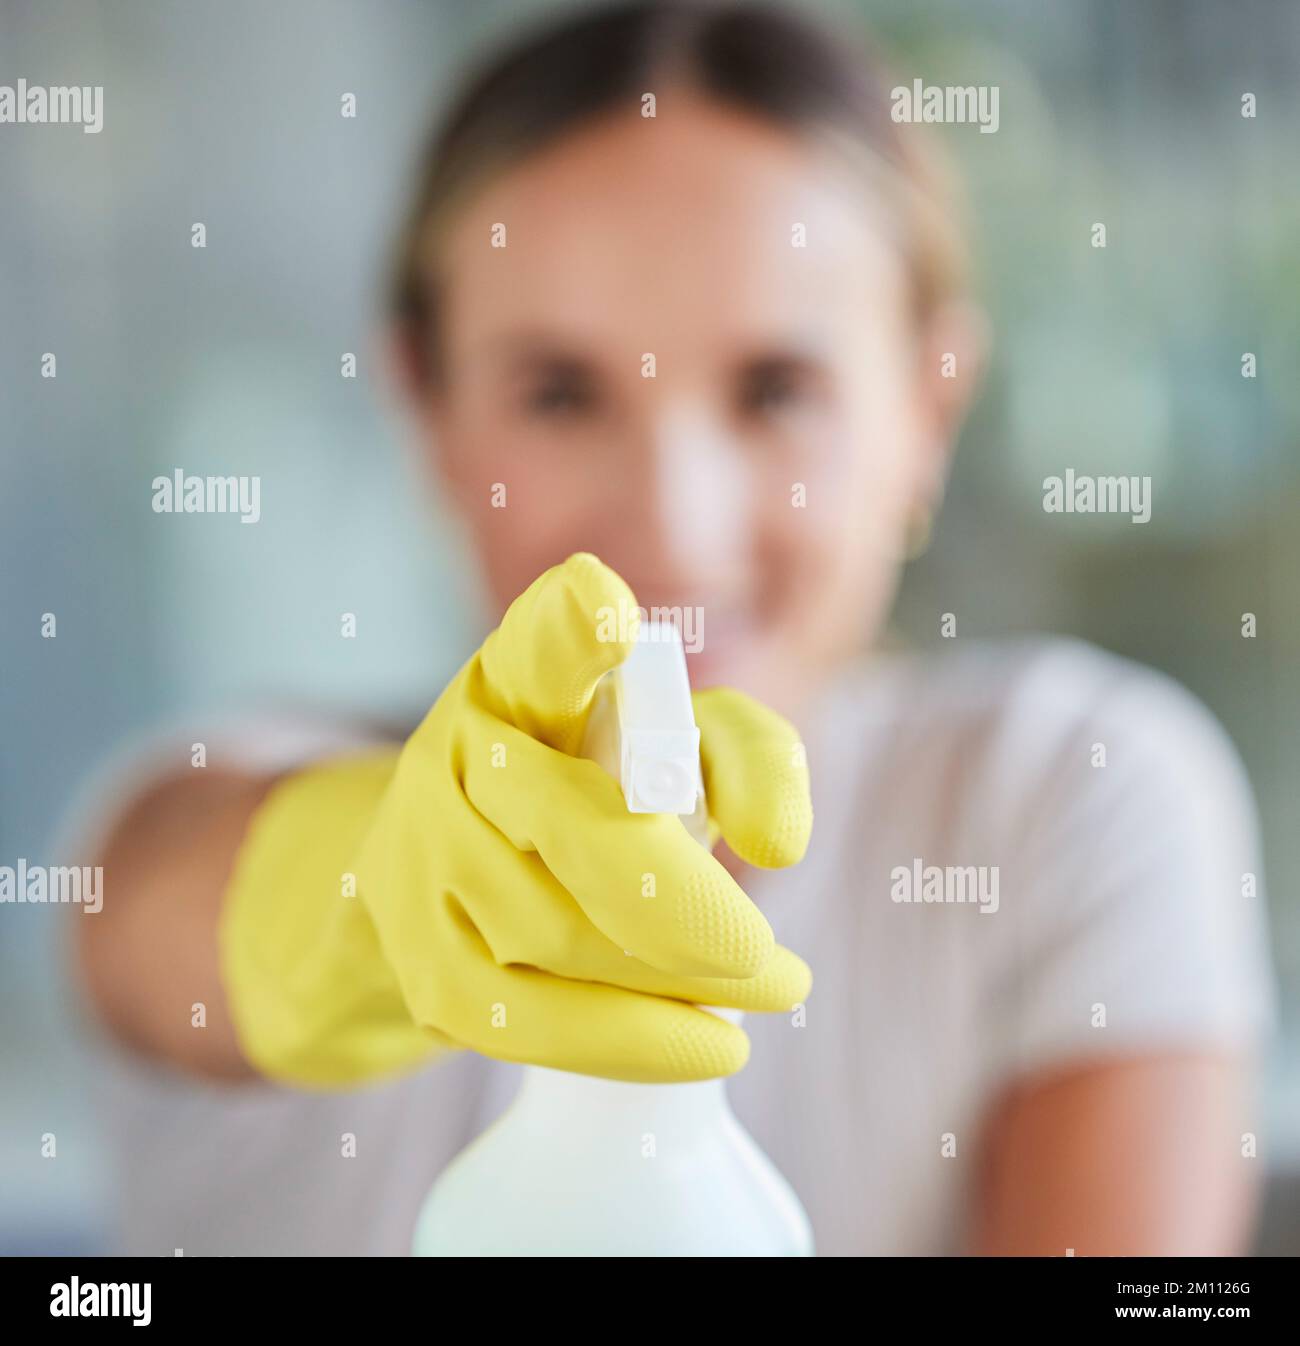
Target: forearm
[(149, 957), (1139, 1156)]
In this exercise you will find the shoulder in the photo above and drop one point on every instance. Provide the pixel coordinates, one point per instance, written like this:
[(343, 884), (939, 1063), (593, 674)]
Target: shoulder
[(1058, 715), (1120, 820)]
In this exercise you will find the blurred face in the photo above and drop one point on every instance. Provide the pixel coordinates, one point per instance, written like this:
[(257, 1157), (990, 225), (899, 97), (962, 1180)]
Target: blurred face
[(653, 371)]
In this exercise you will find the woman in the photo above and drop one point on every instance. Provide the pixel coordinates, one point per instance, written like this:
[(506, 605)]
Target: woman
[(678, 293)]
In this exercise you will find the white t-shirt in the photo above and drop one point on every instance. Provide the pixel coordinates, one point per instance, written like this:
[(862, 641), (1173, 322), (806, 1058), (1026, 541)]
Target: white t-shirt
[(1094, 808)]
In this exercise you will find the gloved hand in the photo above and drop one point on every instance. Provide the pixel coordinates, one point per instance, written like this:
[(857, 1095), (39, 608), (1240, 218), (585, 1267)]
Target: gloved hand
[(505, 900)]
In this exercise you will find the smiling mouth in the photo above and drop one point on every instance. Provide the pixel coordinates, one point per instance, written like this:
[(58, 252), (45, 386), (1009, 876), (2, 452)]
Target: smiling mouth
[(713, 631), (720, 639)]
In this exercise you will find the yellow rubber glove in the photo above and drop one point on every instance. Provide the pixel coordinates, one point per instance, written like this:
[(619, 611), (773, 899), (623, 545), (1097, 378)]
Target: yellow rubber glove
[(483, 888)]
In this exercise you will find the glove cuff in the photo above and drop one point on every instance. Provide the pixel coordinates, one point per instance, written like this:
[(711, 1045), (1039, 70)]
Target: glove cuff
[(312, 998)]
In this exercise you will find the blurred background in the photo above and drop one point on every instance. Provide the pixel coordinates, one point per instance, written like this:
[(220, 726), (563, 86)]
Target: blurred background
[(227, 361)]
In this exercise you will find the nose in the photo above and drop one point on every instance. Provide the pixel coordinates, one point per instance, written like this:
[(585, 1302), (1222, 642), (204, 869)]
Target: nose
[(696, 503)]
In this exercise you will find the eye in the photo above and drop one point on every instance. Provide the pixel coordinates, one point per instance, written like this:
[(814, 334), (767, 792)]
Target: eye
[(769, 389), (559, 395)]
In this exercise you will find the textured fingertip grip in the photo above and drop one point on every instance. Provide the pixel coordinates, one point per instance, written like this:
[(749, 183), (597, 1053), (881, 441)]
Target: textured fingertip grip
[(785, 981), (788, 818), (724, 926), (756, 778), (704, 1047)]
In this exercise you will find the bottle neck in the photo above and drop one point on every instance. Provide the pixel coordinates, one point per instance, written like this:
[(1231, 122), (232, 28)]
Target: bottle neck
[(579, 1098), (562, 1091)]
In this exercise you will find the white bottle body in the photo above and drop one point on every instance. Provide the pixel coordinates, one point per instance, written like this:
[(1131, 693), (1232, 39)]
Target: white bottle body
[(579, 1166)]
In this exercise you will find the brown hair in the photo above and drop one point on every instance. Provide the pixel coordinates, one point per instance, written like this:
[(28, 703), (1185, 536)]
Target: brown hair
[(761, 57)]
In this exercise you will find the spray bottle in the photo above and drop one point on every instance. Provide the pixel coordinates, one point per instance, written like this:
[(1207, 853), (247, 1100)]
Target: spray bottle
[(582, 1166)]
